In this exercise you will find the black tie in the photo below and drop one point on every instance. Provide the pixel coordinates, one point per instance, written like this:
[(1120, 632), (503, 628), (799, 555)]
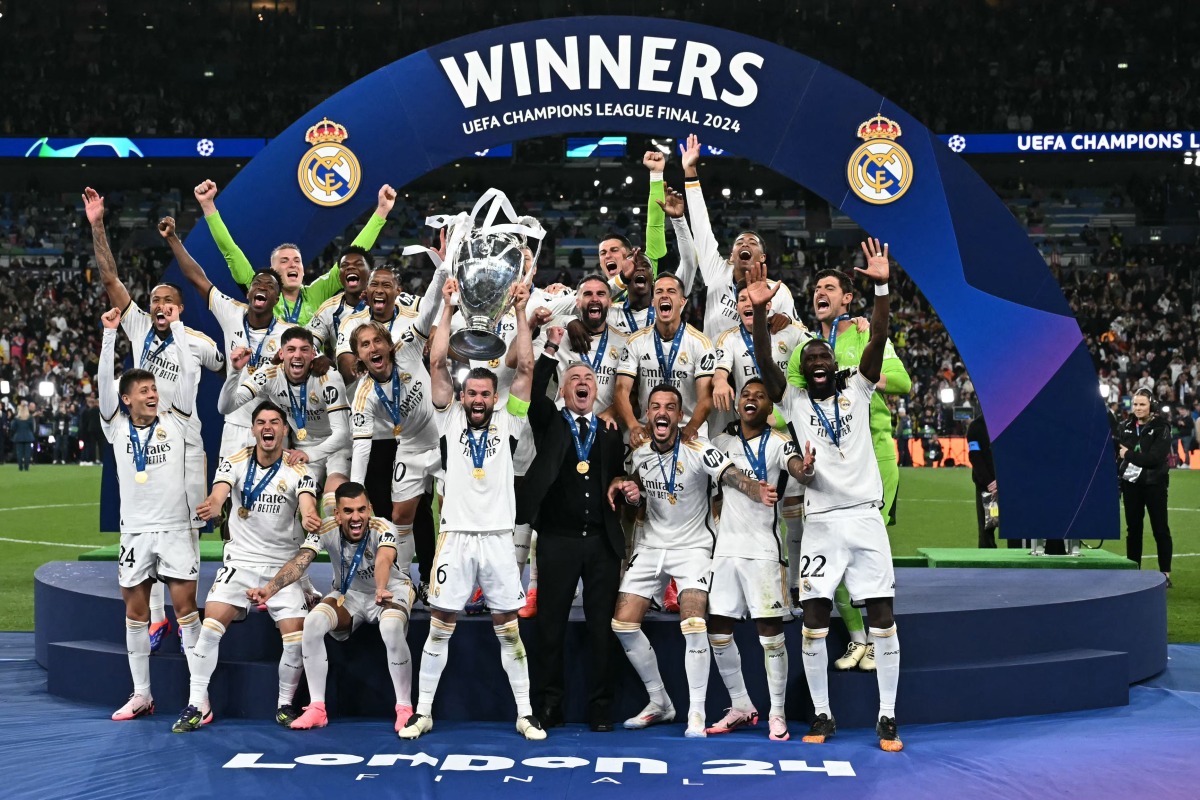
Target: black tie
[(583, 427)]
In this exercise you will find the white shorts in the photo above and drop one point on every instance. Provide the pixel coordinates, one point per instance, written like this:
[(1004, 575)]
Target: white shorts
[(235, 577), (158, 554), (234, 438), (466, 560), (650, 569), (412, 474), (850, 546), (362, 608), (336, 464), (742, 587), (523, 455)]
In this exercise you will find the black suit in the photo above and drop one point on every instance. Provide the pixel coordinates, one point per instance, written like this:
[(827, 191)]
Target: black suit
[(578, 536)]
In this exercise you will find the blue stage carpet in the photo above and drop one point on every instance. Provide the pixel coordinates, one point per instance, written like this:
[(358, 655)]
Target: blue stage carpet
[(53, 748)]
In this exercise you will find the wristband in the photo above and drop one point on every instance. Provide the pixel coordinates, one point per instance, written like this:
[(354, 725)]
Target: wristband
[(552, 346), (881, 290), (655, 176)]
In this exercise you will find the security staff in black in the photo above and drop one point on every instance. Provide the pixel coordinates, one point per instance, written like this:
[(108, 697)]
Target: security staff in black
[(564, 495), (1142, 446)]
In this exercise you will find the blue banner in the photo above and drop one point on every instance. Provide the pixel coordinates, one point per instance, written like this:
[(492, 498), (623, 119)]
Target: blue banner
[(862, 153), (1049, 143)]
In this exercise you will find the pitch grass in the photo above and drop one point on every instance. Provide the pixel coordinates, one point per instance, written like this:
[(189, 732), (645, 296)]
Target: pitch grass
[(60, 505)]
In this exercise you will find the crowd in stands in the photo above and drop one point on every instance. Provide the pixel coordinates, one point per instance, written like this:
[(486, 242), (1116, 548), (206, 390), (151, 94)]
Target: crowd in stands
[(144, 68)]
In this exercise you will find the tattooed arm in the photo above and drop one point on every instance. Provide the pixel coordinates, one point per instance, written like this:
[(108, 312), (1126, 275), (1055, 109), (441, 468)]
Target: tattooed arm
[(288, 574), (760, 491)]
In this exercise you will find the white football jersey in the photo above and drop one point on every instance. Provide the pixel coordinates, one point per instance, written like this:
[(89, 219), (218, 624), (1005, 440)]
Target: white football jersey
[(323, 399), (402, 320), (162, 357), (733, 351), (604, 362), (329, 538), (748, 528), (271, 532), (328, 319), (687, 523), (236, 331), (488, 503), (695, 359), (370, 419), (159, 504), (629, 321), (847, 475)]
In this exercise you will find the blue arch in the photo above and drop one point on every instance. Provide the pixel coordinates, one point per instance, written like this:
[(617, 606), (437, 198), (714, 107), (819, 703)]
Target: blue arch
[(992, 290)]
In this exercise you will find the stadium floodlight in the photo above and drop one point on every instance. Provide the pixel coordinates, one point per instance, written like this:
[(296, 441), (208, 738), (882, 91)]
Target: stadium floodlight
[(5, 387), (1122, 65), (46, 388), (603, 209), (1105, 390), (1166, 409), (758, 192), (946, 395), (596, 182), (726, 192), (628, 179), (636, 210)]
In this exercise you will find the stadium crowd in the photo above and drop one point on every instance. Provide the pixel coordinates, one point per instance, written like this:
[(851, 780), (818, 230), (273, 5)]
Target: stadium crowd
[(1072, 66)]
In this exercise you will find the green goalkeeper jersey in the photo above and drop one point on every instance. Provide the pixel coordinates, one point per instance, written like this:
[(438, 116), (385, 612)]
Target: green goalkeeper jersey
[(848, 351), (311, 296)]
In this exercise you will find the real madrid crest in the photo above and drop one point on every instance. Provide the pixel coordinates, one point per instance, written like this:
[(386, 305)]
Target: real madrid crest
[(283, 486), (879, 170), (161, 435), (312, 397), (329, 173), (405, 377), (844, 402)]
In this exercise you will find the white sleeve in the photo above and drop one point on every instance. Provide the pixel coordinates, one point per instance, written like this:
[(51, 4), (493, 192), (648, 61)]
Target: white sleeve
[(712, 266), (185, 401), (235, 393), (687, 253), (106, 376), (339, 438), (431, 302), (136, 324)]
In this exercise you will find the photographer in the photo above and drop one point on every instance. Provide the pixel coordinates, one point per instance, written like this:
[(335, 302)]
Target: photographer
[(1143, 442)]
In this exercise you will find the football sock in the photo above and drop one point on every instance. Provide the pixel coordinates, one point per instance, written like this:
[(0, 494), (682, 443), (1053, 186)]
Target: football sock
[(696, 662), (516, 664), (204, 661), (793, 518), (729, 665), (406, 548), (328, 504), (522, 535), (816, 668), (533, 561), (850, 615), (137, 644), (433, 661), (320, 621), (641, 656), (393, 624), (775, 654), (887, 667), (158, 611), (291, 666), (189, 632)]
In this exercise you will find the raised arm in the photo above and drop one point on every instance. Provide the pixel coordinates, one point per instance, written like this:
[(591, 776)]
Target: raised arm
[(105, 375), (288, 574), (522, 346), (803, 468), (239, 266), (707, 253), (760, 293), (185, 401), (673, 203), (93, 206), (330, 283), (441, 384), (431, 302), (871, 363), (191, 270), (656, 235), (759, 491)]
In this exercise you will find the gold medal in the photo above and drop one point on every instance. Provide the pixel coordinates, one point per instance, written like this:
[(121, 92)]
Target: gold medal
[(141, 476), (671, 498), (477, 473), (396, 430), (243, 512), (301, 434), (582, 467)]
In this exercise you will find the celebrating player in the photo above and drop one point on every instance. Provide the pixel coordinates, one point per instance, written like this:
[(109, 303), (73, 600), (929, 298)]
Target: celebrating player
[(296, 302), (354, 265), (264, 534), (674, 479), (477, 443), (749, 561), (369, 585), (157, 540), (845, 537)]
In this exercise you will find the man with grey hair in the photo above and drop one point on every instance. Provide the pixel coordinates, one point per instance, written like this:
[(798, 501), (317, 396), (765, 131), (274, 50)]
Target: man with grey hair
[(564, 497)]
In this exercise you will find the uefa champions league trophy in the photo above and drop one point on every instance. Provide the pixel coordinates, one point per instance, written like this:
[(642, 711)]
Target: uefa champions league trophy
[(486, 258)]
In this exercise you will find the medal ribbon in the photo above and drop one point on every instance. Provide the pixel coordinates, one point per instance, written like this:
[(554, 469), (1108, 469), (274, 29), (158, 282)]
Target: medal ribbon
[(341, 309), (292, 313), (832, 431), (582, 447), (299, 409), (595, 365), (670, 482), (759, 466), (139, 449), (833, 330), (250, 496), (632, 321), (391, 404), (749, 340), (478, 448), (256, 358), (146, 354), (348, 574), (668, 366)]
